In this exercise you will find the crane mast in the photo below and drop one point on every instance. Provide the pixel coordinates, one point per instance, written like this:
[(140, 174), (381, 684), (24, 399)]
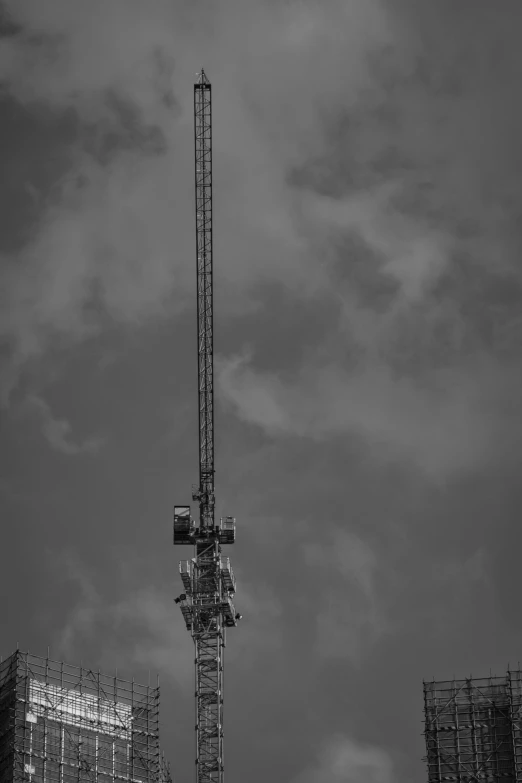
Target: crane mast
[(208, 579), (203, 173)]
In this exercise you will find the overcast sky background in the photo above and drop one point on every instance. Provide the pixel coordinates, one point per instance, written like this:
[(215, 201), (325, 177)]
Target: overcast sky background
[(367, 169)]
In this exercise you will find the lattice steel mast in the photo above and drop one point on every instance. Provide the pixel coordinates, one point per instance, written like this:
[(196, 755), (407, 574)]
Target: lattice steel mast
[(208, 579)]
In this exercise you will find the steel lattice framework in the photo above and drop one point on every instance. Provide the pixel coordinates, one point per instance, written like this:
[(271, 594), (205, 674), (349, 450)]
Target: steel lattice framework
[(203, 171), (474, 729), (67, 724), (208, 579)]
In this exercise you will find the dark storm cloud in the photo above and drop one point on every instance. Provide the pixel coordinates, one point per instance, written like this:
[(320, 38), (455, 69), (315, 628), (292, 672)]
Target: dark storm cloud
[(105, 220), (368, 279), (414, 207), (410, 224)]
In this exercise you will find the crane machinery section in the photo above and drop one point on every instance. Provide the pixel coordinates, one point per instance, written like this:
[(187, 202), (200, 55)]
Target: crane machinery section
[(208, 579)]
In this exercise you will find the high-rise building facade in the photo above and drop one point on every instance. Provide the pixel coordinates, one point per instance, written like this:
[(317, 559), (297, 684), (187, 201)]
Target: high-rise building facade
[(473, 729), (68, 724)]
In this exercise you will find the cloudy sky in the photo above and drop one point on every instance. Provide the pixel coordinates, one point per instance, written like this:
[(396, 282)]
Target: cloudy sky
[(367, 163)]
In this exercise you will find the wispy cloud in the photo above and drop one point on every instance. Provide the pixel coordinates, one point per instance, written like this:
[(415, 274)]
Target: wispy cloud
[(331, 184), (138, 629), (414, 372), (458, 585), (443, 429), (146, 628), (367, 203), (344, 760), (351, 613), (410, 250), (114, 238), (58, 432)]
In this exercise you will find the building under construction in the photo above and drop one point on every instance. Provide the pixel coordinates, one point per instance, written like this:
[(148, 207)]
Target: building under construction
[(473, 729), (68, 724)]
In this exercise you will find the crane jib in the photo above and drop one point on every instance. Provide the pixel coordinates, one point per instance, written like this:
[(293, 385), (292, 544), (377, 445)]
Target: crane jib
[(203, 184)]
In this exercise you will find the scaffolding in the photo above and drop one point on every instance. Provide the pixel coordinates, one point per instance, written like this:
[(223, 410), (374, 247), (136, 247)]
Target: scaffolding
[(68, 724), (473, 729)]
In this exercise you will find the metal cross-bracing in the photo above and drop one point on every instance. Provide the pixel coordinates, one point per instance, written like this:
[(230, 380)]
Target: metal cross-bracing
[(473, 729), (203, 170), (208, 580), (209, 641), (207, 608), (62, 723)]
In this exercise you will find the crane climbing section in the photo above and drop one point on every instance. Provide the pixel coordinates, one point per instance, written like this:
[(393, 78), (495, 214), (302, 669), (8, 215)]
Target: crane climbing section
[(208, 580)]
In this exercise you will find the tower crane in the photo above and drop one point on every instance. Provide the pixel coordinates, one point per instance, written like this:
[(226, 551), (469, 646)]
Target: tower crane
[(208, 580)]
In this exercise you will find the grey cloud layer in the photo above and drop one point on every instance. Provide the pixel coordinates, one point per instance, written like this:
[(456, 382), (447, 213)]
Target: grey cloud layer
[(367, 197), (119, 233), (343, 759), (57, 432)]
